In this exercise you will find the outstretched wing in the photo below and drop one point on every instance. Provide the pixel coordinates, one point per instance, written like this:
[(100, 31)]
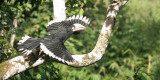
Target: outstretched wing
[(56, 49), (27, 44), (53, 25)]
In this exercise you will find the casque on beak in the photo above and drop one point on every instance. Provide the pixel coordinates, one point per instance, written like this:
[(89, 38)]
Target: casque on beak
[(78, 27)]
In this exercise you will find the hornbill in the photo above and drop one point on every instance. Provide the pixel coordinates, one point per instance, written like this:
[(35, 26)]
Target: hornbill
[(53, 44)]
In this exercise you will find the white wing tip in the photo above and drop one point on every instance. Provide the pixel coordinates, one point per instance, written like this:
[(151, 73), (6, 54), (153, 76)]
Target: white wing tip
[(24, 38), (27, 51), (85, 19)]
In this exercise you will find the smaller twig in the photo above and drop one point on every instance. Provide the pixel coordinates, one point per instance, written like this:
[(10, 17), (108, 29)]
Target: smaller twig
[(80, 2), (13, 36), (104, 71), (132, 66), (149, 65), (117, 66)]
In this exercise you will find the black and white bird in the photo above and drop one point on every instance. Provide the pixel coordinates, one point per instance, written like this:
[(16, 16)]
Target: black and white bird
[(53, 44)]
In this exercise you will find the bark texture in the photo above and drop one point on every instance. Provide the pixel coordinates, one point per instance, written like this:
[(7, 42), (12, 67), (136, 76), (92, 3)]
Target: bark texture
[(24, 62)]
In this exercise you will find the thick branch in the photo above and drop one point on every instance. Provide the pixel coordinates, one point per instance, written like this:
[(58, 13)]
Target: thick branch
[(21, 63)]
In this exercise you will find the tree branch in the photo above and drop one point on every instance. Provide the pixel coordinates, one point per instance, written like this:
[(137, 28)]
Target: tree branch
[(24, 62)]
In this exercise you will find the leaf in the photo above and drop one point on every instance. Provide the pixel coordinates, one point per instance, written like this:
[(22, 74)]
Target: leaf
[(31, 73), (142, 76), (43, 74), (81, 12), (85, 1), (126, 51)]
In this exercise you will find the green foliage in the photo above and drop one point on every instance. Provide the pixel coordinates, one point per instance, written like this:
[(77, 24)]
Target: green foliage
[(134, 41)]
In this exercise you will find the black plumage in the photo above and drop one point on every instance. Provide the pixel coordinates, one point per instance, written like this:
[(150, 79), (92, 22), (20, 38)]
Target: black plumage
[(53, 44)]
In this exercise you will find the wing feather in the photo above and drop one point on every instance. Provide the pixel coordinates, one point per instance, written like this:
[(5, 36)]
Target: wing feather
[(56, 49)]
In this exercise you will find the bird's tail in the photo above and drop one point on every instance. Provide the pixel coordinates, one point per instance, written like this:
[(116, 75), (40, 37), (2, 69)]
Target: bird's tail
[(28, 44)]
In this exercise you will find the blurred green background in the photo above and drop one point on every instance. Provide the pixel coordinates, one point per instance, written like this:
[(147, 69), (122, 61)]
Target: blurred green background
[(133, 52)]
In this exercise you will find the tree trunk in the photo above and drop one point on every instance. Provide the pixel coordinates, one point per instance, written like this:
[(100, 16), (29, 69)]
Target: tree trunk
[(59, 9)]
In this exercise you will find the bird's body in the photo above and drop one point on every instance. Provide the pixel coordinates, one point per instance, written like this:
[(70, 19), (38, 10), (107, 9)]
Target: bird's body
[(53, 44)]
